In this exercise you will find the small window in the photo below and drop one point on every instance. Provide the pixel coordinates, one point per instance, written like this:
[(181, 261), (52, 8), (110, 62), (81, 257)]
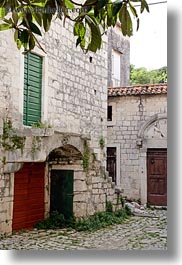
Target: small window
[(111, 162), (109, 113), (32, 89), (116, 68)]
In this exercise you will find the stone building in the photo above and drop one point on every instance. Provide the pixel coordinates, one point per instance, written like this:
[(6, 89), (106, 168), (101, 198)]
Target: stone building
[(53, 130), (118, 58), (137, 141)]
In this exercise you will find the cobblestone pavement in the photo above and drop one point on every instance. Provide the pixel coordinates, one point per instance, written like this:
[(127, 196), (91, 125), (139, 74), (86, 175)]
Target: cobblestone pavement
[(145, 233)]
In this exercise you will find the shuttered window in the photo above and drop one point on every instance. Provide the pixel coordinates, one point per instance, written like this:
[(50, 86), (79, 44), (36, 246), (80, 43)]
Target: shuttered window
[(32, 89)]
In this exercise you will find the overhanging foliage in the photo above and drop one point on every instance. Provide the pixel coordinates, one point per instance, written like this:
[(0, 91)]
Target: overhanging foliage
[(91, 19)]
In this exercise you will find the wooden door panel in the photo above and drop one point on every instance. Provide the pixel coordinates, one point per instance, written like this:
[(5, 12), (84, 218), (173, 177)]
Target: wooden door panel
[(111, 162), (61, 199), (157, 176), (28, 206), (157, 166)]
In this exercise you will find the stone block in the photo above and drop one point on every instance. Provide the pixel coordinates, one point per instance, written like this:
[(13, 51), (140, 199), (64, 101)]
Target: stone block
[(80, 197), (80, 185), (80, 209)]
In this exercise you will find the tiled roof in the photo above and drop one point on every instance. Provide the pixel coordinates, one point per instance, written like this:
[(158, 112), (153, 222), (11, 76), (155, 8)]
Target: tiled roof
[(134, 90)]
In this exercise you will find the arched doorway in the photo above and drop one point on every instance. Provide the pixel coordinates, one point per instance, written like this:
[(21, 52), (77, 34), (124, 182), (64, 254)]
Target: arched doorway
[(152, 140), (62, 162)]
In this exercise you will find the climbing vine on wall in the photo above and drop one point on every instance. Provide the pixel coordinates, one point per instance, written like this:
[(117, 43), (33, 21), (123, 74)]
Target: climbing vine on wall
[(36, 144), (86, 156), (9, 140), (102, 142)]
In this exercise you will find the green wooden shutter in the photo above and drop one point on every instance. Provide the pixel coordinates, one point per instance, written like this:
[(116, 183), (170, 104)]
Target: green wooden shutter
[(32, 89)]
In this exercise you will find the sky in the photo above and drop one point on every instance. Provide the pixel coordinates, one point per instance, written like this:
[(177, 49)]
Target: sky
[(148, 46)]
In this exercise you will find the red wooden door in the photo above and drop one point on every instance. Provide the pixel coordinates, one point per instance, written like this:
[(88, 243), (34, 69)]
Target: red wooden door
[(28, 206), (157, 177)]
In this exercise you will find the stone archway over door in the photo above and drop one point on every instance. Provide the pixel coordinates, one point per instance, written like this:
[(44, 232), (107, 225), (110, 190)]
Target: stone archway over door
[(152, 135), (63, 161), (28, 208)]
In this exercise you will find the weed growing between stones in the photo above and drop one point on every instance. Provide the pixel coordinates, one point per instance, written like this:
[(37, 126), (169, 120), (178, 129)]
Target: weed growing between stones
[(92, 223), (55, 221)]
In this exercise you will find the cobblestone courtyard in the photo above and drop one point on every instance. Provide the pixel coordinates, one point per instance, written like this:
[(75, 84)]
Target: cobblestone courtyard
[(145, 233)]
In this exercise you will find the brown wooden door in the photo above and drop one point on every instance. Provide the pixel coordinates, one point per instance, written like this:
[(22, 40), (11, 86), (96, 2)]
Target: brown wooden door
[(28, 206), (157, 177), (111, 162)]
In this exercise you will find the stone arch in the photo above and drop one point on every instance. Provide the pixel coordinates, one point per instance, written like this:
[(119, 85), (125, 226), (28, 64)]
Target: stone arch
[(152, 134), (150, 122), (64, 160), (60, 140), (66, 152)]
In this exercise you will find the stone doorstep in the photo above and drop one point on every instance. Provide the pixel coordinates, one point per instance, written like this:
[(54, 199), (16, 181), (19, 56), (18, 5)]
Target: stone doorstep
[(158, 207)]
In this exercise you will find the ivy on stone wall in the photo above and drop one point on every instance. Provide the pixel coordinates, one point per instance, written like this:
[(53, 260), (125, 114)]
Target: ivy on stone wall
[(86, 156), (9, 140)]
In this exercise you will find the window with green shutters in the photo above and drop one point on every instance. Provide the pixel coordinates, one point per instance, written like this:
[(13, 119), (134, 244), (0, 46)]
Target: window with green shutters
[(32, 89)]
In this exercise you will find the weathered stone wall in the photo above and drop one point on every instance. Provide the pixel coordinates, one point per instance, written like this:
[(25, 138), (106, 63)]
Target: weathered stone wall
[(74, 101), (10, 78), (74, 90), (77, 99), (117, 42), (92, 189), (123, 131), (6, 202)]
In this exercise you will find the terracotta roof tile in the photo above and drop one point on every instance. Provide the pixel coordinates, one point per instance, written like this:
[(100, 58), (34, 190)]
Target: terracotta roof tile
[(134, 90)]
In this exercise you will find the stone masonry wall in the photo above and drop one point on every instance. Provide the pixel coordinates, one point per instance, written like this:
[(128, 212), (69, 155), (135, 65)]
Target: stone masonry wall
[(74, 101), (74, 90), (121, 44), (77, 99), (6, 202), (123, 131), (92, 189)]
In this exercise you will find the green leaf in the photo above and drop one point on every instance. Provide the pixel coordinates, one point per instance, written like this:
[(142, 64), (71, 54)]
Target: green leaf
[(16, 35), (31, 42), (24, 37), (15, 17), (47, 21), (96, 39), (79, 29), (82, 43), (69, 5), (101, 3), (8, 21), (39, 3), (38, 18), (126, 22), (116, 6), (89, 2), (144, 6), (19, 44), (34, 28), (133, 10), (2, 12), (78, 41), (109, 15), (5, 26)]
